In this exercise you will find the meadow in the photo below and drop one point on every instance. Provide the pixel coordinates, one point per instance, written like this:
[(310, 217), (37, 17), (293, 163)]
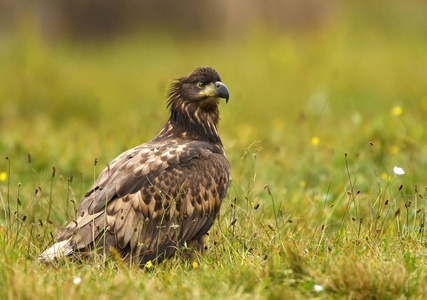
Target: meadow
[(316, 122)]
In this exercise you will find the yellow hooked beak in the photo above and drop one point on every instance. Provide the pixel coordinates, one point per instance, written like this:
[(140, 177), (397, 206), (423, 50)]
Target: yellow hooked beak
[(217, 89)]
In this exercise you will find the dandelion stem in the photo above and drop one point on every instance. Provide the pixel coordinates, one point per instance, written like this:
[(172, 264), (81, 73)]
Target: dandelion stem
[(351, 197)]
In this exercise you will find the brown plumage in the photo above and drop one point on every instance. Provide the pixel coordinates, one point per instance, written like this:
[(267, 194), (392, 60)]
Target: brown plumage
[(158, 196)]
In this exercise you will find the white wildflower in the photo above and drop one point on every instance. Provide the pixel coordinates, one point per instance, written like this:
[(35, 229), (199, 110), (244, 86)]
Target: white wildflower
[(77, 280), (398, 171), (317, 288)]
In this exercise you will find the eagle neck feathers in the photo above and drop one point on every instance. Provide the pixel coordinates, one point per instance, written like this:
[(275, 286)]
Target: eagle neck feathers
[(191, 121)]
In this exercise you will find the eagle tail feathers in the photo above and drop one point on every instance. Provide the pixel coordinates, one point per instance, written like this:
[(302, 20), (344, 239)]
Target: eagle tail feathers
[(57, 250)]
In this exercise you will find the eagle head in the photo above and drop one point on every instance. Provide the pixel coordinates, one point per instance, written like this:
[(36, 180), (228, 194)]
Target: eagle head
[(193, 102), (201, 88)]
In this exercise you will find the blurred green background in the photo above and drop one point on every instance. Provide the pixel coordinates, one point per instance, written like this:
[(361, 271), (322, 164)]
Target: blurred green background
[(309, 81)]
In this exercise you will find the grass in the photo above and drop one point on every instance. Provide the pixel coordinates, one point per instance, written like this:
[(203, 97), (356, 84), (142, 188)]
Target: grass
[(315, 124)]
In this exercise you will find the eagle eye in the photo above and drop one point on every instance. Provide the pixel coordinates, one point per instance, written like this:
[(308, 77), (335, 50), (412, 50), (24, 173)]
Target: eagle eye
[(201, 85)]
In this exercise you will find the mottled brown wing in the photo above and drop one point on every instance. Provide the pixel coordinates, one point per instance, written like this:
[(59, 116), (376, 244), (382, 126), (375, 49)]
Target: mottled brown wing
[(153, 197)]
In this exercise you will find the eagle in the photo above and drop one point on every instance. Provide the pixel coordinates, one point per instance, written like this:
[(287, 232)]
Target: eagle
[(162, 195)]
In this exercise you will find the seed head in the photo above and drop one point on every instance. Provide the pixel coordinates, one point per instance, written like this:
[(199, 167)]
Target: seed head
[(397, 212), (268, 189)]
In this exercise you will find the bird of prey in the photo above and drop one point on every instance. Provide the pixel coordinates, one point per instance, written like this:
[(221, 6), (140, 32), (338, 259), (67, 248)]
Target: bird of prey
[(164, 194)]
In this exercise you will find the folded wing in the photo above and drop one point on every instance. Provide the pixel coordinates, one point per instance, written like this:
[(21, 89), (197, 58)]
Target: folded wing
[(151, 199)]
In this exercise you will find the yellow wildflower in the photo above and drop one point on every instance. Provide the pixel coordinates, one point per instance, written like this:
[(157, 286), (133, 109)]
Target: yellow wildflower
[(149, 264), (384, 176), (394, 150), (302, 183), (195, 264), (315, 141), (3, 176), (397, 110)]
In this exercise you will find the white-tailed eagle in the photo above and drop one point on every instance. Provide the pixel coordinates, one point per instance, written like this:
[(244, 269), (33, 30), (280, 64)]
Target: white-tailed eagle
[(161, 195)]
